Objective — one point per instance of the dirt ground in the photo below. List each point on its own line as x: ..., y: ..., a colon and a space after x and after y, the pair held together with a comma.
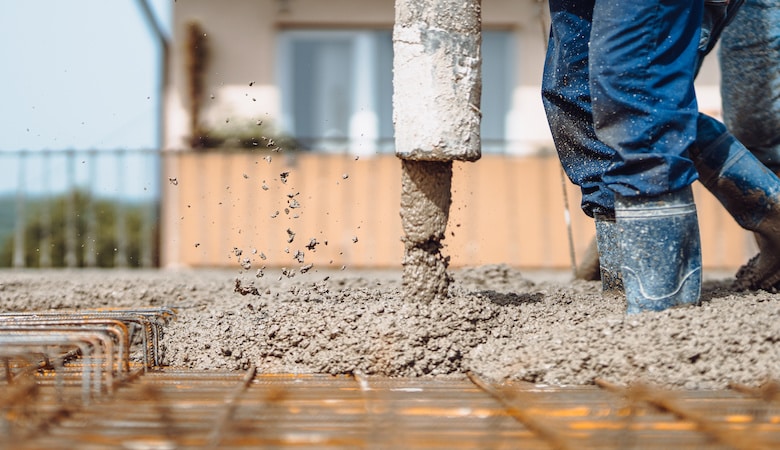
x: 496, y: 321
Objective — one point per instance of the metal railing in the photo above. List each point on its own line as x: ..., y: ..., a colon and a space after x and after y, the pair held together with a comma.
x: 79, y: 208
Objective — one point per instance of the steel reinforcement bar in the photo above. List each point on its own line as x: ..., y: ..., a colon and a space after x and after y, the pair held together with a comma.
x: 47, y: 356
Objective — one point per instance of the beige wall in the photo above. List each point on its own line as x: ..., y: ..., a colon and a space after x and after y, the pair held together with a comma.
x: 505, y: 209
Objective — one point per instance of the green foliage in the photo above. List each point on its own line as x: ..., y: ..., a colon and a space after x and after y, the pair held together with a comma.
x: 92, y: 224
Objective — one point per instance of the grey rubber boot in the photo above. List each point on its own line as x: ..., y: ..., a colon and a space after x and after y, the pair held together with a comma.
x: 660, y: 250
x: 750, y: 193
x: 609, y: 253
x: 588, y: 267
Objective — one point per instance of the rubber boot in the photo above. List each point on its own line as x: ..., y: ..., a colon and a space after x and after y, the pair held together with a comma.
x: 660, y: 250
x: 750, y: 193
x: 609, y: 253
x: 588, y: 267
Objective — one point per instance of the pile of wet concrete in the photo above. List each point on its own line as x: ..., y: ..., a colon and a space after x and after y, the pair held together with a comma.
x: 494, y: 321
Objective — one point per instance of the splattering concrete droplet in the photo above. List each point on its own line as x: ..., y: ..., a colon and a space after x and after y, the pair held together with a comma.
x: 245, y: 290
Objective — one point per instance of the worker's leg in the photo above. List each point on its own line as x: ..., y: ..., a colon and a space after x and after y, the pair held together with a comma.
x: 566, y: 96
x: 750, y: 81
x: 642, y: 64
x: 749, y: 191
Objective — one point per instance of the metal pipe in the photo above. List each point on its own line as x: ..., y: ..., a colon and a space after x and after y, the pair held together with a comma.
x: 437, y: 87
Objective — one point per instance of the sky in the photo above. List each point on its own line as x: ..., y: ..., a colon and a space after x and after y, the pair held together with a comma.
x: 81, y: 75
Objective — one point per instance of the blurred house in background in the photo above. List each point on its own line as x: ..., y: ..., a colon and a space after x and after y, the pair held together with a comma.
x: 276, y: 142
x: 312, y: 79
x: 322, y: 71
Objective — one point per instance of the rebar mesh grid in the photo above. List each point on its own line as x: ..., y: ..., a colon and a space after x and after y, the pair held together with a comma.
x: 56, y: 362
x: 134, y: 404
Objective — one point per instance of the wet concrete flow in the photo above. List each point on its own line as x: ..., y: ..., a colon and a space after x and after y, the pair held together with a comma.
x: 495, y: 321
x: 425, y: 208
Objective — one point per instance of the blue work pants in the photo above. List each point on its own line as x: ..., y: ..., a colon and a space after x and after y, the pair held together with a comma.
x: 618, y: 92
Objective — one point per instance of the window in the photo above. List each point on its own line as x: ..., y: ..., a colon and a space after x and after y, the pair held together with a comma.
x: 337, y: 89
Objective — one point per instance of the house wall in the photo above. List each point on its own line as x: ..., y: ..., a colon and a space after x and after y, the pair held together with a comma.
x: 505, y: 209
x: 242, y: 37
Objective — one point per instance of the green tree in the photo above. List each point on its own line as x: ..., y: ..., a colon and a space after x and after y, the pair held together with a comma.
x: 91, y: 226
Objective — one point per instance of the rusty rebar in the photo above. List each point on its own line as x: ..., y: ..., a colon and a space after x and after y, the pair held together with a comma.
x: 666, y: 401
x: 511, y: 400
x: 215, y: 437
x: 768, y: 391
x: 150, y: 320
x: 115, y: 328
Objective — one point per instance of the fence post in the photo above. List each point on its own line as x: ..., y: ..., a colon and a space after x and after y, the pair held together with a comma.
x: 20, y: 221
x: 70, y: 210
x: 148, y: 214
x: 120, y: 254
x: 90, y: 235
x: 46, y: 216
